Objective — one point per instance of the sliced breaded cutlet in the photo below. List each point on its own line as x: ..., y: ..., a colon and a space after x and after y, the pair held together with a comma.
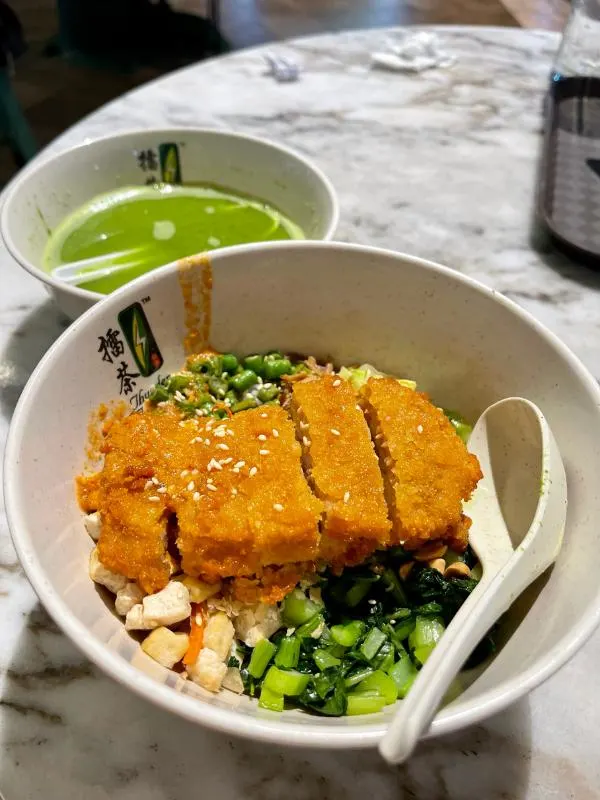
x: 342, y: 467
x: 427, y: 469
x: 261, y: 511
x: 235, y: 489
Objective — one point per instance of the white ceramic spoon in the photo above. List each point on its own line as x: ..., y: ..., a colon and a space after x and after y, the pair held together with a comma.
x: 518, y: 511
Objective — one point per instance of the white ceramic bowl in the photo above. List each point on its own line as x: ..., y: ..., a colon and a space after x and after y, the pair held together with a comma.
x: 52, y: 187
x: 465, y: 344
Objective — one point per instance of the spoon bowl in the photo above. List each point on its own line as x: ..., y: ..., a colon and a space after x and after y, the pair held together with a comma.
x: 519, y: 512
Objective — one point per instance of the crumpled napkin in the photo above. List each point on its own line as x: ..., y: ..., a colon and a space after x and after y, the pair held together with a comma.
x: 415, y: 52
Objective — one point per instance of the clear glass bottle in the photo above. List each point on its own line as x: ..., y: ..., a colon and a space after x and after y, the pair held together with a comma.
x: 569, y: 186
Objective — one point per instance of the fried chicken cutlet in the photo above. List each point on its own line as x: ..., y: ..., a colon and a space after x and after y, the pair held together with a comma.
x: 342, y: 467
x: 427, y: 469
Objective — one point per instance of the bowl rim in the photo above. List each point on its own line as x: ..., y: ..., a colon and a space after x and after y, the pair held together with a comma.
x: 311, y: 734
x: 42, y: 161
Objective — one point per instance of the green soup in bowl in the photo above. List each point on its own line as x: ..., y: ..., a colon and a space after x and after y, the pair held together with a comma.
x: 141, y: 199
x: 138, y: 228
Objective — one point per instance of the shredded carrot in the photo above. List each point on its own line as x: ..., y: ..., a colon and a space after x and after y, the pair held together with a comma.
x: 224, y: 407
x: 196, y: 634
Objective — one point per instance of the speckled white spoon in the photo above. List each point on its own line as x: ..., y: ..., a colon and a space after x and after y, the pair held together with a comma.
x: 518, y: 511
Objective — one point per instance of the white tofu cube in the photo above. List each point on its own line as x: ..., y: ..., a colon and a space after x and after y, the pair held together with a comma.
x: 105, y: 577
x: 199, y: 590
x: 165, y: 646
x: 135, y: 620
x: 93, y: 525
x: 218, y: 634
x: 208, y: 671
x: 233, y: 681
x: 170, y: 605
x: 128, y: 597
x: 258, y: 623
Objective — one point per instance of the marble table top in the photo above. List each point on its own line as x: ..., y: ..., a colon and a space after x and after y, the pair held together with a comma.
x: 440, y: 164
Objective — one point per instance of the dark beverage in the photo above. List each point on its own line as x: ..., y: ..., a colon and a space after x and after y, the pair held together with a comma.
x: 569, y: 190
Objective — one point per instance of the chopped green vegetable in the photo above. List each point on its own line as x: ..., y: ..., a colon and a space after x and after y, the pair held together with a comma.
x: 254, y: 363
x: 373, y: 641
x: 230, y: 363
x: 288, y: 652
x: 460, y: 425
x: 325, y: 660
x: 261, y: 655
x: 285, y: 682
x: 381, y: 683
x: 270, y: 700
x: 364, y: 703
x: 159, y: 394
x: 310, y: 627
x: 427, y: 633
x: 298, y: 609
x: 349, y: 634
x: 403, y: 674
x: 242, y: 381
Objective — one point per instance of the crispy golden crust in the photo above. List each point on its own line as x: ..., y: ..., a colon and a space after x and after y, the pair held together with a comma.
x: 342, y: 468
x: 427, y: 468
x: 236, y: 487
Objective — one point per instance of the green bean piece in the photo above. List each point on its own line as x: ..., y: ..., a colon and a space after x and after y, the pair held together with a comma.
x: 159, y: 394
x: 217, y: 387
x: 178, y: 382
x: 255, y: 363
x: 244, y: 405
x: 211, y: 364
x: 267, y: 394
x: 244, y: 380
x: 275, y: 368
x: 230, y: 363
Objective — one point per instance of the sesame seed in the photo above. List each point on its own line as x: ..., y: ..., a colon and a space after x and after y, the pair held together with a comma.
x: 275, y: 433
x: 162, y: 489
x: 149, y: 485
x: 184, y: 473
x: 155, y: 481
x: 358, y: 408
x: 306, y: 441
x: 335, y: 431
x: 264, y: 416
x: 236, y: 470
x: 224, y: 461
x: 227, y: 401
x: 419, y: 429
x: 277, y: 506
x: 346, y: 497
x: 191, y: 486
x: 213, y: 464
x: 336, y: 382
x: 220, y: 431
x: 196, y: 497
x: 234, y: 491
x: 199, y: 412
x: 229, y: 432
x: 182, y: 424
x: 154, y: 499
x: 207, y: 442
x: 199, y: 620
x: 262, y: 437
x: 163, y: 403
x: 239, y: 465
x: 196, y: 439
x: 222, y: 446
x: 393, y: 622
x: 264, y: 452
x: 179, y: 396
x: 253, y: 471
x: 194, y: 472
x: 372, y: 602
x: 304, y: 426
x: 267, y: 385
x: 211, y: 487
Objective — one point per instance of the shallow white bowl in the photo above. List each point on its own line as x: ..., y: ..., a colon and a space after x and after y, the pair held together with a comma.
x: 466, y: 345
x: 52, y: 187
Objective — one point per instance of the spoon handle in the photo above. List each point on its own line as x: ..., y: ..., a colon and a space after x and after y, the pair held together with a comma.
x: 486, y: 603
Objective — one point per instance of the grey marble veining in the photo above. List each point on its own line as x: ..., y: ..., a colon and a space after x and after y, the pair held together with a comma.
x: 442, y: 165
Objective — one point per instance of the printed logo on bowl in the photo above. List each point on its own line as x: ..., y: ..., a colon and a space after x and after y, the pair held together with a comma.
x: 142, y: 344
x: 164, y: 160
